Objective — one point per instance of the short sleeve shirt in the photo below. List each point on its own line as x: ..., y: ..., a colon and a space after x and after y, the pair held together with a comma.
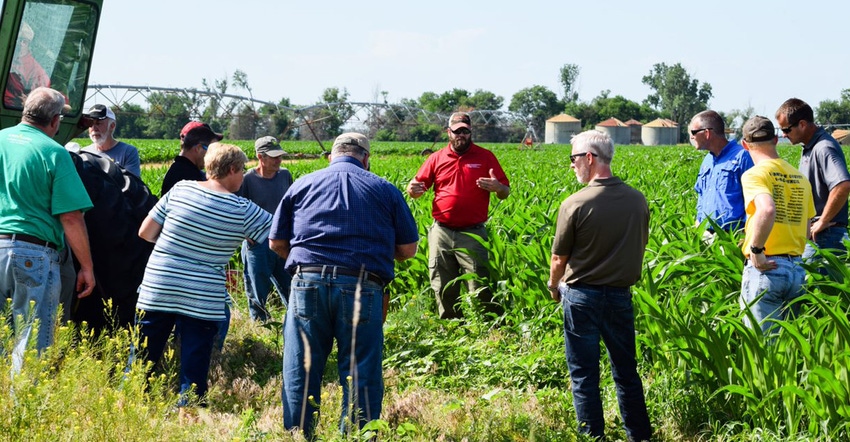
x: 458, y: 201
x: 822, y: 163
x: 40, y: 182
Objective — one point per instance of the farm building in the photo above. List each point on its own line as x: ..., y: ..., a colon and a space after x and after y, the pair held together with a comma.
x: 634, y: 129
x: 561, y: 128
x: 660, y: 132
x: 616, y: 129
x: 842, y: 136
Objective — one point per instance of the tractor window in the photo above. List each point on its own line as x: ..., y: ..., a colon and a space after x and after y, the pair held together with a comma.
x: 53, y: 48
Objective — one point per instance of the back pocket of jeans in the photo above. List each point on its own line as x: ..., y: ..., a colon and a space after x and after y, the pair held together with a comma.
x: 303, y: 301
x: 29, y: 270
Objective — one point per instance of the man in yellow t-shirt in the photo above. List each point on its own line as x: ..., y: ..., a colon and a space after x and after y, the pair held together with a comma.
x: 779, y: 205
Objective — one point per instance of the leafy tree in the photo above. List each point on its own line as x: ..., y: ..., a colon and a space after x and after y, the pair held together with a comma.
x: 603, y: 107
x: 445, y: 103
x: 132, y: 120
x: 676, y: 93
x: 835, y: 112
x: 569, y: 76
x: 276, y: 121
x: 327, y: 122
x: 244, y: 124
x: 168, y: 114
x: 484, y: 100
x: 736, y: 118
x: 537, y: 103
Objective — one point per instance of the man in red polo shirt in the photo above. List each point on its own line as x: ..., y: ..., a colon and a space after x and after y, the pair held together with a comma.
x: 463, y: 176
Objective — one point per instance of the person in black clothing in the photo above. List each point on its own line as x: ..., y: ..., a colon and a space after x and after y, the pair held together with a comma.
x: 195, y: 139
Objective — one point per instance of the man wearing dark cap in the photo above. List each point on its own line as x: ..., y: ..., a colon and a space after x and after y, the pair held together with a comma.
x: 463, y: 176
x: 265, y: 186
x: 103, y: 140
x: 822, y: 163
x: 339, y: 229
x: 779, y: 205
x: 195, y: 139
x: 42, y: 198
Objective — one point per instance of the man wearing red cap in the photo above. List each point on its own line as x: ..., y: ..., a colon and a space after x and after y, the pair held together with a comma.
x: 195, y: 139
x: 463, y: 176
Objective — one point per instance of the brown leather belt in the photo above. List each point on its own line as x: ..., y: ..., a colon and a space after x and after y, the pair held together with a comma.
x: 28, y: 238
x: 335, y: 270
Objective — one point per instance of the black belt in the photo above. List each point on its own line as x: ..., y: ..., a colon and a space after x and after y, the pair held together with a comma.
x: 334, y: 270
x: 28, y: 238
x: 459, y: 229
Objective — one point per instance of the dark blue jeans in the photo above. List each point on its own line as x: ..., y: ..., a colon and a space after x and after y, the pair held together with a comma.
x: 196, y: 342
x: 322, y: 309
x: 262, y: 269
x: 591, y: 313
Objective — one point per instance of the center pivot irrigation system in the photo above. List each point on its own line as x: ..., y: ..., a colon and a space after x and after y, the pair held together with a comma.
x: 361, y: 116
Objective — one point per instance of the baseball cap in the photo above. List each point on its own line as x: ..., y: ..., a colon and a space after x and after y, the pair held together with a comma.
x: 758, y: 129
x: 352, y: 138
x: 100, y: 112
x: 269, y: 146
x: 202, y: 128
x: 458, y: 120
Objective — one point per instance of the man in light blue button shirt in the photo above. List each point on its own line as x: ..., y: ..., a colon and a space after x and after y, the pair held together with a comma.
x: 720, y: 196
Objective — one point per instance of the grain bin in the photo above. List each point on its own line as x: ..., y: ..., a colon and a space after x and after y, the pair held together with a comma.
x: 660, y: 132
x: 616, y: 129
x: 561, y: 128
x: 842, y: 136
x: 634, y: 129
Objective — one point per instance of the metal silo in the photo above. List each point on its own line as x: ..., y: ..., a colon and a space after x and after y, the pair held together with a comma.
x: 561, y: 128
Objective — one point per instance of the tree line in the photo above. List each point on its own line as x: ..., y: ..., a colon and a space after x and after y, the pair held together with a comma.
x: 676, y: 95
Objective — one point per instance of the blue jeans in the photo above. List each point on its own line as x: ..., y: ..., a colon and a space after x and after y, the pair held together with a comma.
x: 591, y: 313
x: 196, y: 342
x: 768, y: 294
x: 30, y: 279
x: 263, y: 267
x: 321, y: 310
x: 831, y: 238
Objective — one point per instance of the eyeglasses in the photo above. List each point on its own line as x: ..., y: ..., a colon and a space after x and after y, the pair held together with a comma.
x: 696, y: 131
x: 462, y: 131
x: 574, y: 156
x: 785, y: 130
x: 204, y: 146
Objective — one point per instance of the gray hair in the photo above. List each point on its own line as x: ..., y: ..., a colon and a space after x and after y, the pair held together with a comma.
x: 597, y: 142
x: 43, y: 103
x: 350, y: 150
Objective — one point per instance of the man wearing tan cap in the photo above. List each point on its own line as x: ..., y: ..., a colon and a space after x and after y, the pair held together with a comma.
x: 463, y: 176
x: 779, y: 204
x: 265, y: 186
x: 339, y: 228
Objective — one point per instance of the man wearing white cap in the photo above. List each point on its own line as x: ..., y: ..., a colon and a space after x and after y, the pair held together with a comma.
x: 102, y: 134
x: 265, y: 186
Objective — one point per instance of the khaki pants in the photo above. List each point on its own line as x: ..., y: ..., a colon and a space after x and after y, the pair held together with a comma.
x: 452, y: 253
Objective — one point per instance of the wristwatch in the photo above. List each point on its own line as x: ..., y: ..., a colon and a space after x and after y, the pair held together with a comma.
x: 757, y: 250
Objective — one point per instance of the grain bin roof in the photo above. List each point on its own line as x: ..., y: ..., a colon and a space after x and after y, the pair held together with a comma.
x: 564, y: 118
x: 633, y: 122
x: 661, y: 122
x: 612, y: 122
x: 841, y: 135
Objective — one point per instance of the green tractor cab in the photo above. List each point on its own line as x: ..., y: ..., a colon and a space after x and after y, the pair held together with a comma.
x: 47, y: 43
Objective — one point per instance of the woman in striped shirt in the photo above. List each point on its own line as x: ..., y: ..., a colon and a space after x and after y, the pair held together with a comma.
x: 196, y: 227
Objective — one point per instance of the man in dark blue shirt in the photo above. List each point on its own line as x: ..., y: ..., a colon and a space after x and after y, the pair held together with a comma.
x: 720, y: 196
x: 339, y: 229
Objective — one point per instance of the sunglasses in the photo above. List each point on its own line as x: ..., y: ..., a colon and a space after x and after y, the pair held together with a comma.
x: 462, y: 131
x: 575, y: 156
x: 204, y: 146
x: 696, y: 131
x: 785, y: 130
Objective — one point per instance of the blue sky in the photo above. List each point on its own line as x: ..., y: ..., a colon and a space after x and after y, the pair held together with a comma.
x: 753, y: 53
